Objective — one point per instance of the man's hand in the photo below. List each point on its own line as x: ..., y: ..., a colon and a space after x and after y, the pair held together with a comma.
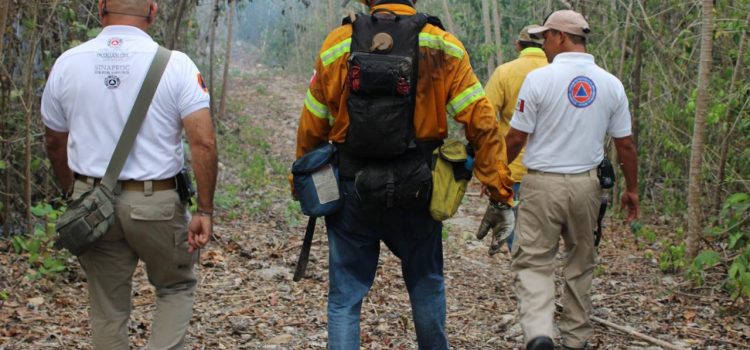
x: 632, y: 202
x: 499, y: 218
x: 199, y: 231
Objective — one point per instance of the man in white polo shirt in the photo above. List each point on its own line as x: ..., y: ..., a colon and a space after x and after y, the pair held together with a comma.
x: 86, y: 103
x: 564, y: 110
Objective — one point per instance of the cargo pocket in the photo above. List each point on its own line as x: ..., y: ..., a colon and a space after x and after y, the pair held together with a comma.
x: 161, y: 219
x: 152, y: 212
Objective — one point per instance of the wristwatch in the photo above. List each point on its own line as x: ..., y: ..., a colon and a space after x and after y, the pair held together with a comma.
x: 204, y: 213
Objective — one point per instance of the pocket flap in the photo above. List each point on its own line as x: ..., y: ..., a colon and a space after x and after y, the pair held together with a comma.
x: 152, y: 212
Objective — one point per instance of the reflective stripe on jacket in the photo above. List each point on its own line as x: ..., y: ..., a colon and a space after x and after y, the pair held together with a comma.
x: 446, y: 87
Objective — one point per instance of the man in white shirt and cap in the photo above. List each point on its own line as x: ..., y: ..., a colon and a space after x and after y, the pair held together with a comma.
x: 564, y: 110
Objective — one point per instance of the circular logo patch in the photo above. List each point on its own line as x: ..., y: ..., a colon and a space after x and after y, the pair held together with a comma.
x: 581, y: 92
x: 112, y: 82
x: 114, y: 43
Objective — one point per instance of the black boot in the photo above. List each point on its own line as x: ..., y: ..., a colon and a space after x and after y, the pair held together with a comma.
x: 541, y: 343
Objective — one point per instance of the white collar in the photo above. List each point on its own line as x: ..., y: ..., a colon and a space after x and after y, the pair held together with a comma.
x: 573, y: 57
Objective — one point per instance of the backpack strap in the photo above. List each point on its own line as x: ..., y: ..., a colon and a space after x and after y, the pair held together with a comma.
x: 351, y: 18
x: 435, y: 21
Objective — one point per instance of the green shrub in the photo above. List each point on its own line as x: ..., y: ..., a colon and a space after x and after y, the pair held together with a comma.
x: 672, y: 259
x: 43, y: 259
x: 735, y: 229
x: 706, y: 259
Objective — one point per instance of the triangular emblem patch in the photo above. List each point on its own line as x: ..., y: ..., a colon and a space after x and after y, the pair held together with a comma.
x: 581, y: 92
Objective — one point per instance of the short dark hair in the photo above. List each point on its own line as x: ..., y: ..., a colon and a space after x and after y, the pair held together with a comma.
x: 527, y: 44
x: 576, y: 39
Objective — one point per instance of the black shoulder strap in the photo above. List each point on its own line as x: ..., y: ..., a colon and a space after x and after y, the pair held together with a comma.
x: 435, y: 21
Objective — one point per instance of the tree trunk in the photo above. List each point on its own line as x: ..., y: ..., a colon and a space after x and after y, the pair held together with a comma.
x: 227, y: 60
x: 4, y: 109
x: 496, y: 27
x: 211, y: 51
x: 331, y: 15
x: 487, y: 35
x: 28, y: 115
x: 297, y: 39
x: 449, y: 19
x: 727, y: 129
x: 4, y: 9
x: 177, y: 21
x: 696, y: 151
x: 4, y: 114
x: 624, y: 47
x: 637, y: 82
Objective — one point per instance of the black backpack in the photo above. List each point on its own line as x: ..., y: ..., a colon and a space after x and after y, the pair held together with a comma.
x: 382, y: 75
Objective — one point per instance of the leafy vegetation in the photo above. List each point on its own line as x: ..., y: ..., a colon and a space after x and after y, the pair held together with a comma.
x: 37, y: 249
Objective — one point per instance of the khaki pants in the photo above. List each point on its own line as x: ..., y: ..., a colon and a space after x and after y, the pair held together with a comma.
x: 152, y: 227
x: 553, y: 206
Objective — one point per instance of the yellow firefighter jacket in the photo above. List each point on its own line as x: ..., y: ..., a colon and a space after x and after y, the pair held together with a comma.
x: 502, y: 91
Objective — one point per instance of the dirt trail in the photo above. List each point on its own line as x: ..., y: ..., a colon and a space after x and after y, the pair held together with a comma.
x: 247, y: 300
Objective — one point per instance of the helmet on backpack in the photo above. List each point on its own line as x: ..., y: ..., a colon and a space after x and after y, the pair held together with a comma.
x: 370, y: 2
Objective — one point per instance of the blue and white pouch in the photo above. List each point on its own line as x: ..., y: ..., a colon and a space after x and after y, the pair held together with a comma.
x: 316, y: 181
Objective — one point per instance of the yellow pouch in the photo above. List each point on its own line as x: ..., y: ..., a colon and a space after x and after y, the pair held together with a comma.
x: 449, y: 179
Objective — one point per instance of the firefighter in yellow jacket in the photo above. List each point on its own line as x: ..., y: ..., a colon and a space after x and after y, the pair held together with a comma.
x: 383, y: 87
x: 502, y: 91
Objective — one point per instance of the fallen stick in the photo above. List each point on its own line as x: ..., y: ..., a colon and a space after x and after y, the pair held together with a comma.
x: 632, y: 332
x: 635, y: 333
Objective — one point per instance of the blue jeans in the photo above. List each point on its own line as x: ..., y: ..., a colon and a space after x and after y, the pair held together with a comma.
x: 354, y: 241
x: 516, y: 190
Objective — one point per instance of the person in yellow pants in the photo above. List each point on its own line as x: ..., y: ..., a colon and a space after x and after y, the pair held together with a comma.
x: 502, y: 91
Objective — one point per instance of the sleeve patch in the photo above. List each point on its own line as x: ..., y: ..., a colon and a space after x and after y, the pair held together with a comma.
x: 202, y: 83
x: 521, y: 105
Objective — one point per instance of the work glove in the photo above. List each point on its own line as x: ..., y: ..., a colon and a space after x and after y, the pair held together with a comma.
x: 498, y: 217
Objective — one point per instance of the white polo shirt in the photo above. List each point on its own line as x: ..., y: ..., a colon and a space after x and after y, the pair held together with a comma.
x: 567, y: 108
x: 90, y: 93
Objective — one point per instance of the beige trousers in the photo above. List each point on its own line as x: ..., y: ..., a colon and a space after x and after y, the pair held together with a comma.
x: 152, y: 227
x: 553, y: 206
